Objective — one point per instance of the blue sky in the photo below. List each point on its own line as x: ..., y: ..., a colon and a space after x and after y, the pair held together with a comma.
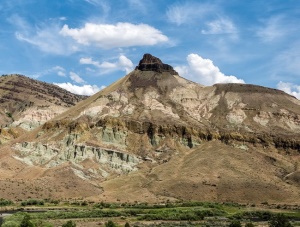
x: 84, y: 45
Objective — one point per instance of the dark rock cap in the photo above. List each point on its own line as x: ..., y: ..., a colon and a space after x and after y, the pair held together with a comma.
x: 151, y: 63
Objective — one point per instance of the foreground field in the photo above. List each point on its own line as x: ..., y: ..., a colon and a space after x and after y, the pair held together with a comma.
x: 82, y: 213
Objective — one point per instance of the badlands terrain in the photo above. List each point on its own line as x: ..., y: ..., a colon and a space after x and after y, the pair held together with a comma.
x: 151, y: 136
x: 26, y: 104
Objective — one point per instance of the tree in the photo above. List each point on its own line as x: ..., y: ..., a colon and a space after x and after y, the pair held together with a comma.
x: 26, y: 221
x: 69, y: 224
x: 110, y: 224
x: 279, y: 220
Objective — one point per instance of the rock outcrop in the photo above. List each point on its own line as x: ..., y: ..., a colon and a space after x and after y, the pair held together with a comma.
x: 151, y: 63
x: 52, y: 155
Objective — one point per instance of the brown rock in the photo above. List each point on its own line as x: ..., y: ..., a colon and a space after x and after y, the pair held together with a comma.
x: 151, y: 63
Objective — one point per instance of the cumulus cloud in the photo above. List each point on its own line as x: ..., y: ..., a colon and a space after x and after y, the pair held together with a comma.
x: 187, y: 12
x: 80, y: 90
x: 289, y: 88
x: 123, y: 63
x: 204, y: 71
x: 119, y: 35
x: 75, y: 77
x: 220, y: 26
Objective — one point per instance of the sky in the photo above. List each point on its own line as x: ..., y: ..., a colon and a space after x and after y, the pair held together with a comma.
x: 85, y: 45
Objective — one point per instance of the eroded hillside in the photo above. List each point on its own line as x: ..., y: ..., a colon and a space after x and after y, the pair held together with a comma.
x: 26, y: 104
x: 154, y: 135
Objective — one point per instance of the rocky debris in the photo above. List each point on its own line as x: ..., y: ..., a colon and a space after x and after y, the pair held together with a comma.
x: 151, y: 63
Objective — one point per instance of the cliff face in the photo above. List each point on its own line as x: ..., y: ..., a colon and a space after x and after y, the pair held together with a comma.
x: 154, y: 64
x: 174, y: 136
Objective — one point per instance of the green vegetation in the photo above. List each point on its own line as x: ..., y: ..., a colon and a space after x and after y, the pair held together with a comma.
x: 170, y: 214
x: 9, y: 114
x: 10, y: 224
x: 69, y: 224
x: 110, y: 224
x: 261, y: 215
x: 32, y: 202
x: 180, y: 214
x: 26, y: 221
x: 279, y: 220
x: 5, y: 202
x: 235, y: 223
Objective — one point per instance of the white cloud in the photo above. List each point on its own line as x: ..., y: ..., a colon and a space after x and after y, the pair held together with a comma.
x: 289, y: 88
x: 204, y: 71
x: 62, y: 18
x: 56, y: 69
x: 89, y: 61
x: 76, y: 78
x: 123, y: 63
x: 19, y: 22
x: 220, y: 26
x: 80, y: 90
x: 59, y: 70
x: 60, y: 73
x: 47, y: 39
x: 185, y: 13
x: 111, y: 36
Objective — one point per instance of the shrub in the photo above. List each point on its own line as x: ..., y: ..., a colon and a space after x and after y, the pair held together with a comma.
x: 235, y: 223
x: 9, y: 114
x: 4, y: 202
x: 26, y: 221
x: 110, y: 224
x: 279, y: 220
x: 69, y: 224
x: 31, y: 202
x: 249, y: 224
x: 127, y: 224
x: 10, y: 224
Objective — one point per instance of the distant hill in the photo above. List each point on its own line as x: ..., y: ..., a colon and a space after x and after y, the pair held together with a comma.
x: 26, y: 103
x: 155, y: 136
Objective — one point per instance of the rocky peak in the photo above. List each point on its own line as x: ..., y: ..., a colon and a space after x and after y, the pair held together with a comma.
x: 151, y: 63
